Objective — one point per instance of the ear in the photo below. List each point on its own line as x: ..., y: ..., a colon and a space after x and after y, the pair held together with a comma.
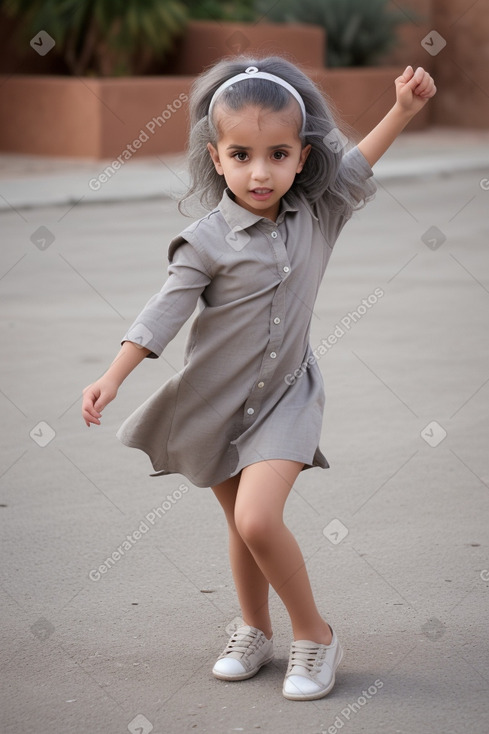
x: 304, y: 154
x: 215, y: 158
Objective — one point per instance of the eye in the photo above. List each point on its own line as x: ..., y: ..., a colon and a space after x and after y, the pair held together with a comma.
x: 240, y: 155
x: 279, y: 155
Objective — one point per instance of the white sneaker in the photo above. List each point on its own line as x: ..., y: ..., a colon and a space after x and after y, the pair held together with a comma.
x: 311, y: 671
x: 247, y: 650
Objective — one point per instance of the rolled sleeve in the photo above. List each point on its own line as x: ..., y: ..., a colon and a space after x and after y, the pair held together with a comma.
x: 355, y: 160
x: 355, y: 180
x: 166, y: 312
x: 356, y: 175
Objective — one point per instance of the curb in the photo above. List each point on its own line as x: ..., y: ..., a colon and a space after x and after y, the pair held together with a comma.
x: 139, y: 182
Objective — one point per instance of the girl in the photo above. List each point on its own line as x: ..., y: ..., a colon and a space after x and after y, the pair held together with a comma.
x: 267, y: 159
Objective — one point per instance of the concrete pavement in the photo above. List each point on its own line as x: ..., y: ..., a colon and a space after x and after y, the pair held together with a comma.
x: 117, y: 595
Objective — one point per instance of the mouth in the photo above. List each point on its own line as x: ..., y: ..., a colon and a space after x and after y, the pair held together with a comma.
x: 261, y: 194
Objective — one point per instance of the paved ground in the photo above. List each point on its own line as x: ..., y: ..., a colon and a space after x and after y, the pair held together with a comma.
x: 395, y: 533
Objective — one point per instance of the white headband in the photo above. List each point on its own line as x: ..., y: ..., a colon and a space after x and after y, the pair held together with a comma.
x: 252, y: 73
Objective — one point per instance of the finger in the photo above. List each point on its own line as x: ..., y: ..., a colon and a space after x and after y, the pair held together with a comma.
x: 417, y: 77
x: 99, y: 404
x: 424, y: 81
x: 91, y: 416
x: 420, y: 73
x: 102, y: 401
x: 405, y: 76
x: 426, y: 89
x: 91, y: 398
x: 89, y: 408
x: 414, y: 82
x: 430, y: 86
x: 429, y: 94
x: 88, y: 418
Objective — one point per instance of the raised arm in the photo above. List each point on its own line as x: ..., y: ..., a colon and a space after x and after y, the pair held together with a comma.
x: 413, y: 90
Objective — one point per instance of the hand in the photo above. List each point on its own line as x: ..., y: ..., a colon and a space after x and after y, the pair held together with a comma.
x: 414, y: 89
x: 95, y: 397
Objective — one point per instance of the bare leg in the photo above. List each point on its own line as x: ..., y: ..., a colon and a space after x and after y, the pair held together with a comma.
x: 251, y: 585
x: 258, y: 515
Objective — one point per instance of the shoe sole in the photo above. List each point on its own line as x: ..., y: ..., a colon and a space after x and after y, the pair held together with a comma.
x: 318, y: 694
x: 244, y: 676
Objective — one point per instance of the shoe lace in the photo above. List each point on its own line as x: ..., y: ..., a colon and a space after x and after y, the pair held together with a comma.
x: 241, y: 642
x: 305, y: 657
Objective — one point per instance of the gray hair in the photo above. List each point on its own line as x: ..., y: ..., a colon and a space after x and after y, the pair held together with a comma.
x: 321, y: 177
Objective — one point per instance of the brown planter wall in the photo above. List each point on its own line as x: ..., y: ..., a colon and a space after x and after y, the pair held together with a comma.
x: 206, y: 42
x: 461, y: 68
x: 362, y: 97
x: 99, y: 118
x: 96, y: 118
x: 61, y: 115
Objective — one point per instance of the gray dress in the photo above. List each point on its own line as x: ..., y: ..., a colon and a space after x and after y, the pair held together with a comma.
x: 256, y: 281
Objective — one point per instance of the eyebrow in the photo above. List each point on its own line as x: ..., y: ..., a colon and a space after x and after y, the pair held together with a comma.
x: 270, y: 147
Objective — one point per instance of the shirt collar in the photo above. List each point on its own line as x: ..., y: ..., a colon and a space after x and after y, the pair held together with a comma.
x: 238, y: 218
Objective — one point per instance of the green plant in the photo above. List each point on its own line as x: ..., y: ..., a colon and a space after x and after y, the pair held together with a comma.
x: 358, y: 32
x: 103, y: 37
x: 230, y: 10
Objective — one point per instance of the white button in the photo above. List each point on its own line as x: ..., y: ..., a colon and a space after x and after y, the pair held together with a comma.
x: 286, y: 269
x: 274, y: 234
x: 250, y: 411
x: 276, y: 320
x: 273, y: 355
x: 261, y: 384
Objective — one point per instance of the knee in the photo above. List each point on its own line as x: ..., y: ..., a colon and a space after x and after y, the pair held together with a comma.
x: 255, y: 528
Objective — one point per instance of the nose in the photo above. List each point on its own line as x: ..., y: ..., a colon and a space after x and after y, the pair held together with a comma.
x: 260, y: 170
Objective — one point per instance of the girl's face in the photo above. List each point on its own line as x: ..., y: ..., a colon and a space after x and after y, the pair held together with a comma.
x: 259, y: 153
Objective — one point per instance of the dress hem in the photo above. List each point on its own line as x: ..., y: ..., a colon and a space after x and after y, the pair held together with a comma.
x: 165, y: 472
